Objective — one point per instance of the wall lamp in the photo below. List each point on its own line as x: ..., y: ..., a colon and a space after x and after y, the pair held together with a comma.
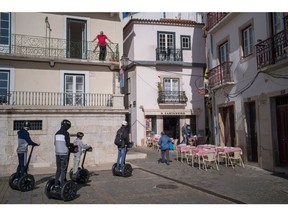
x: 124, y: 61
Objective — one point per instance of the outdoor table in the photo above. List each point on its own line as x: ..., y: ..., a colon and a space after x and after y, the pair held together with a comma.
x: 200, y: 152
x: 183, y: 149
x: 226, y: 150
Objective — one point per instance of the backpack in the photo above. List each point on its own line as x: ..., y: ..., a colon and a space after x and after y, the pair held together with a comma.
x: 118, y: 139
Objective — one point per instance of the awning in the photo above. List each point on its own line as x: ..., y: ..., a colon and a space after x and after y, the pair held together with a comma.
x: 172, y: 112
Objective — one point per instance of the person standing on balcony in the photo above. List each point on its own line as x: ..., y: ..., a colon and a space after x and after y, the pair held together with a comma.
x: 102, y: 44
x: 62, y: 146
x: 23, y: 141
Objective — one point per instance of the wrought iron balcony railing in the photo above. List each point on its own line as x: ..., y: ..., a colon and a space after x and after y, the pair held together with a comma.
x: 172, y: 97
x: 169, y: 55
x: 272, y: 50
x: 213, y: 18
x: 220, y: 75
x: 22, y: 98
x: 54, y: 48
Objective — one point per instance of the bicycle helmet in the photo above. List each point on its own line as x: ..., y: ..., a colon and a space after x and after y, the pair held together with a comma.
x: 80, y: 134
x: 124, y: 123
x: 26, y: 124
x: 66, y: 123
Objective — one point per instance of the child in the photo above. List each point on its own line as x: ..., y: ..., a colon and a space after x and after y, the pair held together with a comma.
x: 78, y: 142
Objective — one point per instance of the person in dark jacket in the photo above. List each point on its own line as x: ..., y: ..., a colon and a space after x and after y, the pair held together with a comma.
x: 62, y: 145
x: 122, y: 149
x: 164, y: 146
x: 23, y: 141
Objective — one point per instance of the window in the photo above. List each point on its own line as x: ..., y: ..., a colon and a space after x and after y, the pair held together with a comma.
x: 223, y: 53
x: 278, y: 22
x: 4, y: 86
x: 185, y: 42
x: 247, y: 41
x: 166, y: 46
x: 34, y: 125
x: 5, y: 28
x: 171, y: 89
x: 74, y: 89
x: 165, y: 40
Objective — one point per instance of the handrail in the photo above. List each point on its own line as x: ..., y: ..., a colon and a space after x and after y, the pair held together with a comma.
x: 55, y: 48
x: 27, y: 98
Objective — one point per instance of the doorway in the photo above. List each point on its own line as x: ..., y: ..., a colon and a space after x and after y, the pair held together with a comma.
x: 227, y: 126
x: 76, y: 39
x: 252, y: 142
x: 282, y: 128
x: 171, y: 126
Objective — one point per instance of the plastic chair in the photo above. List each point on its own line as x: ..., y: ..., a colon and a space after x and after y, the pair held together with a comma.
x: 210, y: 157
x: 235, y: 158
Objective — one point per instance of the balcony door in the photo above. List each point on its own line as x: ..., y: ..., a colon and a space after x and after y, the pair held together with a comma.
x: 76, y: 38
x: 5, y: 32
x: 223, y: 53
x: 171, y: 89
x: 4, y: 86
x: 166, y: 45
x: 74, y: 89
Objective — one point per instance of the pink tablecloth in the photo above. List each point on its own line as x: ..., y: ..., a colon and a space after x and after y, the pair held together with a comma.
x: 226, y: 149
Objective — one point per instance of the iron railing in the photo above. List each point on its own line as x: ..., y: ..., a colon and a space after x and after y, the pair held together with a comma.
x: 220, y: 75
x: 25, y: 98
x: 169, y: 55
x: 55, y: 48
x: 213, y: 18
x: 172, y: 97
x: 272, y: 50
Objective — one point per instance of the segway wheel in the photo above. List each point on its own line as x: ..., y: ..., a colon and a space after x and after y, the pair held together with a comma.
x: 11, y: 179
x: 48, y: 188
x: 127, y: 171
x: 82, y: 176
x: 26, y: 183
x: 113, y: 169
x: 69, y: 191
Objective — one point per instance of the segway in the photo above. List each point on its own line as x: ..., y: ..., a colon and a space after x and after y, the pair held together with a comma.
x: 26, y: 182
x: 127, y: 169
x: 82, y: 175
x: 68, y: 191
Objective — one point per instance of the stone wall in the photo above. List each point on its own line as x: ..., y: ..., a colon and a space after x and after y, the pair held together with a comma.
x: 99, y: 127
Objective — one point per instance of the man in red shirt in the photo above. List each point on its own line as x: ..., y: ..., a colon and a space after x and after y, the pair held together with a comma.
x: 102, y: 44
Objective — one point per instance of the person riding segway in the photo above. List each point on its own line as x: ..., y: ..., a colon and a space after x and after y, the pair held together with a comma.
x: 60, y: 188
x: 80, y: 174
x: 21, y: 180
x: 120, y: 168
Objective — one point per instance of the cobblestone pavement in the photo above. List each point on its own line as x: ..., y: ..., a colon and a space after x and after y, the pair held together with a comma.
x: 153, y: 183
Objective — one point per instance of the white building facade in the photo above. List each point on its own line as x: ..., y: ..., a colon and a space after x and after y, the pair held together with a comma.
x: 248, y: 86
x: 166, y: 65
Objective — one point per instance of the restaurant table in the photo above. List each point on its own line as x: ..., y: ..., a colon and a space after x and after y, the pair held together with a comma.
x: 200, y: 153
x: 227, y: 151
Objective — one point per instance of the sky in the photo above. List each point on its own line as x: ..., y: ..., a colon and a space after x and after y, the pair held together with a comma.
x: 143, y: 6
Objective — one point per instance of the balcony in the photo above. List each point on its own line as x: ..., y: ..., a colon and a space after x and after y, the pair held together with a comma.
x: 172, y: 97
x: 272, y: 50
x: 220, y: 75
x: 56, y: 99
x: 169, y: 55
x: 54, y: 48
x: 213, y: 18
